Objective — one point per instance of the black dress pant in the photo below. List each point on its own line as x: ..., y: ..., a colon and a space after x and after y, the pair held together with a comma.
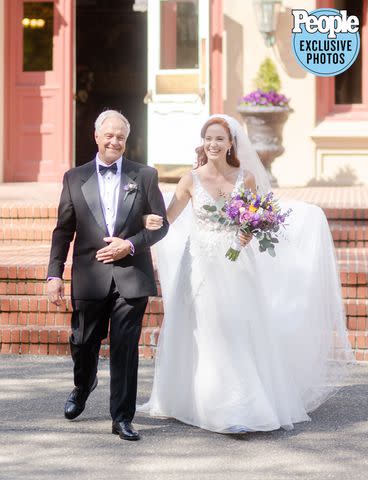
x: 90, y: 322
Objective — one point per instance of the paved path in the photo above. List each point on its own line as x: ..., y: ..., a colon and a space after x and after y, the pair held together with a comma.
x: 37, y: 443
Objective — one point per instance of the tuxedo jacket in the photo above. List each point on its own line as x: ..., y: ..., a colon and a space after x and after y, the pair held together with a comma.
x: 80, y: 217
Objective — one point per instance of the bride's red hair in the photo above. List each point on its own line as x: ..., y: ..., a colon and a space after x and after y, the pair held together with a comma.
x: 231, y: 159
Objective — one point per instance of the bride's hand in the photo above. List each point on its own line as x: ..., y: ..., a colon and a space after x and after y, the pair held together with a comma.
x: 152, y: 221
x: 244, y: 238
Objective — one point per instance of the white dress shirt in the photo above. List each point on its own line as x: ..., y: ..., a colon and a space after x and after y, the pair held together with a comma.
x: 109, y: 186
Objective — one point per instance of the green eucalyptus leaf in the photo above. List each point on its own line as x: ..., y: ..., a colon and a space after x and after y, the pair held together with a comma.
x: 210, y: 208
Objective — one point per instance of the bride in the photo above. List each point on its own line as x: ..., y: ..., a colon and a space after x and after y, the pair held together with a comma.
x: 250, y: 345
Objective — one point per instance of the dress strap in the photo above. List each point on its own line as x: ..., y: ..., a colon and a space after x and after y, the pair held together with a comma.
x: 195, y: 178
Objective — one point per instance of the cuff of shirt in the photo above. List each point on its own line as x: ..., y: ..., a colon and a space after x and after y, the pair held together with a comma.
x: 132, y: 249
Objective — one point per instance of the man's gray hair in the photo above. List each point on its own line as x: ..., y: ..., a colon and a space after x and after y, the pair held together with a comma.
x: 108, y: 114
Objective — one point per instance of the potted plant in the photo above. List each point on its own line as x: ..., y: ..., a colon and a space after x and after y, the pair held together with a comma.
x: 265, y: 111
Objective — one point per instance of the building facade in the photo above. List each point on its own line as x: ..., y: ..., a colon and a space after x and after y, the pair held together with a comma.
x: 167, y: 64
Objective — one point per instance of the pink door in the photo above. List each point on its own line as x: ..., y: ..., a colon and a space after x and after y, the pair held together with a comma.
x: 38, y: 108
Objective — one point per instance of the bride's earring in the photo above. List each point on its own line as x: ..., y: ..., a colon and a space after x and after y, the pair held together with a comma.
x: 229, y: 152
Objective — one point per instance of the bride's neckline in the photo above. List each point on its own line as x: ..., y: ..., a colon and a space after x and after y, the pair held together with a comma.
x: 225, y: 193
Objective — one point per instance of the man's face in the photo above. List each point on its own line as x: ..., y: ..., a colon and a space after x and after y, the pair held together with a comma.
x: 111, y: 139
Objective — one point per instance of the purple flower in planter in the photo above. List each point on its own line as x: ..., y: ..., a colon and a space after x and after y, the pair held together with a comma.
x: 262, y: 98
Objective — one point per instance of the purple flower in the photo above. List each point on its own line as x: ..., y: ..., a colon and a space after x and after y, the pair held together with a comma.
x: 238, y: 203
x: 232, y: 208
x: 260, y: 97
x: 257, y: 202
x: 232, y: 212
x: 245, y: 216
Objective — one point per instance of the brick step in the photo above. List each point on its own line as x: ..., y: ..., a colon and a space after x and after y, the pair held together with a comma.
x: 38, y: 311
x: 353, y: 266
x: 349, y: 233
x: 41, y: 210
x: 23, y: 270
x: 359, y: 340
x: 34, y: 303
x: 27, y: 287
x: 356, y: 314
x: 27, y: 221
x: 27, y: 256
x: 32, y: 231
x: 18, y: 230
x: 346, y: 233
x: 361, y: 354
x: 16, y: 243
x: 33, y: 272
x: 28, y: 229
x: 60, y: 319
x: 40, y: 303
x: 340, y: 213
x: 354, y: 285
x: 28, y: 210
x: 55, y: 341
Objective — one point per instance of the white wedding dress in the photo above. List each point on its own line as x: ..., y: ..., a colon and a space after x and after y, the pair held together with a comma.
x: 249, y: 345
x: 254, y: 344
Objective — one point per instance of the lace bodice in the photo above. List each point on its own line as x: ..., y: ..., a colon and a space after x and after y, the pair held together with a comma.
x: 208, y: 237
x: 202, y: 197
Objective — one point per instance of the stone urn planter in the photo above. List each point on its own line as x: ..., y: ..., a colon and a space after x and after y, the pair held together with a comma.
x: 265, y: 125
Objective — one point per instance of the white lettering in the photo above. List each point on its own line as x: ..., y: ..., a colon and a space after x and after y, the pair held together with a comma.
x: 325, y: 23
x: 300, y: 17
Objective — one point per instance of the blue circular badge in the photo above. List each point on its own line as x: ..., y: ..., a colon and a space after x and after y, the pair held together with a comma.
x: 326, y: 49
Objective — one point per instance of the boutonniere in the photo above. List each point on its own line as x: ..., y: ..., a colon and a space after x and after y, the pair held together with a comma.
x: 128, y: 188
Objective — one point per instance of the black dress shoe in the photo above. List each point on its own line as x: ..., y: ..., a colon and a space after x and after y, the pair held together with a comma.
x: 125, y: 430
x: 76, y: 401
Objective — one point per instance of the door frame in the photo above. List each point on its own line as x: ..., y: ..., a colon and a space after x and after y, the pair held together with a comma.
x: 60, y: 79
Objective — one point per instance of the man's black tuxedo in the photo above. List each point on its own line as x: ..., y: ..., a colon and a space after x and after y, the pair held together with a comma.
x: 80, y: 213
x: 115, y: 291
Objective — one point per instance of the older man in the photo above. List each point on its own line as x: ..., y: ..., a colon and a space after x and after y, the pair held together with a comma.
x: 102, y: 204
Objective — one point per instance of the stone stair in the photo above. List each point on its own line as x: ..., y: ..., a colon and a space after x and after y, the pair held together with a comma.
x: 29, y: 323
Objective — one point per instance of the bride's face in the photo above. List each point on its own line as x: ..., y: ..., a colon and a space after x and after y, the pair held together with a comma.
x: 216, y: 143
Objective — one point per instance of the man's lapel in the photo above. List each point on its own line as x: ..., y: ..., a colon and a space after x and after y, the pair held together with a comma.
x: 126, y: 195
x: 91, y: 193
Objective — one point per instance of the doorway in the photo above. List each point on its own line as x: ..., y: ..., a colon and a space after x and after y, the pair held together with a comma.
x: 111, y: 73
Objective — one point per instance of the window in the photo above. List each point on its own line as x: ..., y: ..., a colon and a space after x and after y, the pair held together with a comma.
x: 38, y: 32
x: 179, y: 34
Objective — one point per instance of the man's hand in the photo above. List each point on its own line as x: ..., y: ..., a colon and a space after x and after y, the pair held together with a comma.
x: 55, y: 291
x: 116, y: 250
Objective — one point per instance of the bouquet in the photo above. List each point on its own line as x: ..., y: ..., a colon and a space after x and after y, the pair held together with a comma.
x: 259, y: 215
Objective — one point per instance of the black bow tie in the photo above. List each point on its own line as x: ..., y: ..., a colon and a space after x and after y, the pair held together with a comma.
x: 113, y: 168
